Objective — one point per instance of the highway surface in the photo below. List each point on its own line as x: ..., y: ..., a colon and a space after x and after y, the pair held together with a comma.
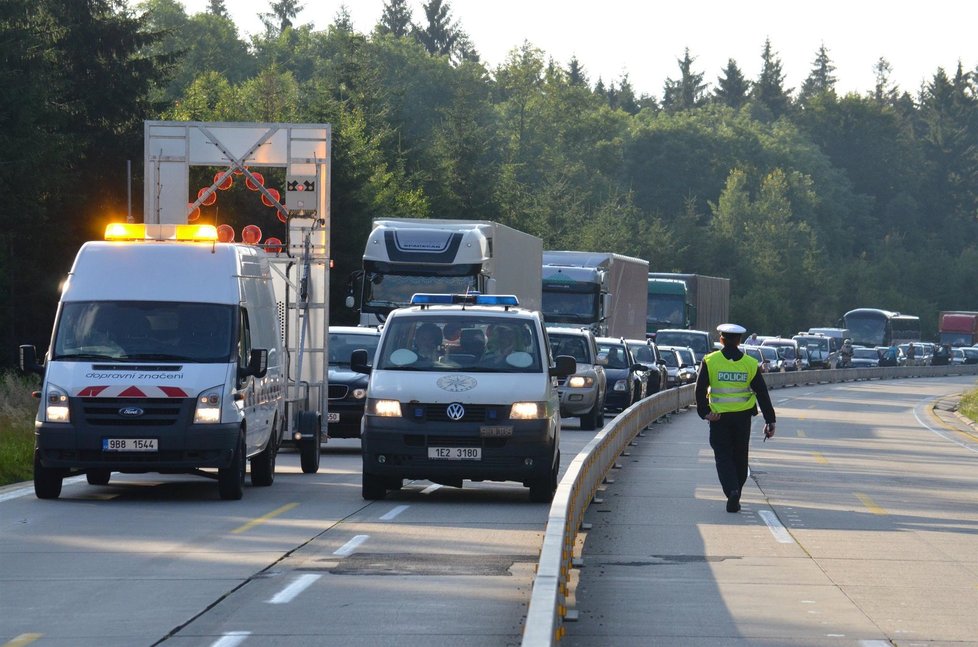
x: 858, y: 475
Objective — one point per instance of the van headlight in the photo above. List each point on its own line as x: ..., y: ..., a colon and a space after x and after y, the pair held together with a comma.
x: 208, y: 410
x: 384, y: 408
x: 580, y: 381
x: 528, y: 411
x: 56, y: 404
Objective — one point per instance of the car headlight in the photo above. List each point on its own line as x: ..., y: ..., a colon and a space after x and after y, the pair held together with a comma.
x: 620, y: 385
x: 384, y: 408
x: 358, y: 394
x: 580, y: 381
x: 56, y: 405
x: 208, y: 410
x: 528, y: 411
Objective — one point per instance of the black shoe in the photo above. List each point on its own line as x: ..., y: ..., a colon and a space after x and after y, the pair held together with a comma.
x: 733, y: 501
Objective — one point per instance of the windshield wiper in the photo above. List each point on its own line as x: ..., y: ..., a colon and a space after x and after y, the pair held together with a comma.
x: 84, y: 356
x: 161, y: 356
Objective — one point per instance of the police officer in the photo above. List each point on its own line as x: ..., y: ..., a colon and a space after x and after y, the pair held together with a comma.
x: 729, y: 389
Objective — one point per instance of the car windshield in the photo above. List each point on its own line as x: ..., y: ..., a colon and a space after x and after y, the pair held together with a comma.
x: 342, y: 344
x: 865, y: 353
x: 615, y: 354
x: 573, y: 345
x: 785, y: 350
x: 461, y: 341
x: 670, y: 358
x: 699, y: 342
x: 769, y: 353
x: 642, y: 353
x: 755, y: 353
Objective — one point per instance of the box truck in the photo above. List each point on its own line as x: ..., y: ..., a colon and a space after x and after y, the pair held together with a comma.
x: 958, y: 328
x: 690, y: 301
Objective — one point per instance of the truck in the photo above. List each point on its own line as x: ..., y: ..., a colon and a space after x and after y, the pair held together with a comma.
x: 601, y: 290
x: 406, y: 256
x: 958, y: 328
x: 691, y: 301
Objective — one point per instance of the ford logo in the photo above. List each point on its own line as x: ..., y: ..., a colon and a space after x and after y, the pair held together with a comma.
x: 131, y: 412
x: 455, y: 411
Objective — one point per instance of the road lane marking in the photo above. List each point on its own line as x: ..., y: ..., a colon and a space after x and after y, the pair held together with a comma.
x: 801, y: 433
x: 870, y: 504
x: 916, y: 414
x: 289, y: 593
x: 875, y: 643
x: 23, y: 639
x: 780, y: 532
x: 265, y: 517
x: 430, y: 489
x: 232, y: 639
x: 16, y: 493
x: 351, y: 545
x: 820, y: 459
x: 393, y: 513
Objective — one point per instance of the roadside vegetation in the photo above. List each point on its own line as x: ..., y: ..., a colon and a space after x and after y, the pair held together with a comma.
x: 968, y: 407
x: 17, y: 410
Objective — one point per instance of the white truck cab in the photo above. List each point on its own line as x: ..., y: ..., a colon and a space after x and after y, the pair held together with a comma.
x: 462, y: 388
x: 165, y: 357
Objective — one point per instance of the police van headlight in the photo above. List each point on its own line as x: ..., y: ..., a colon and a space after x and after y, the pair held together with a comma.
x: 620, y: 385
x: 580, y: 381
x: 208, y: 411
x: 528, y: 411
x: 56, y: 404
x: 384, y: 408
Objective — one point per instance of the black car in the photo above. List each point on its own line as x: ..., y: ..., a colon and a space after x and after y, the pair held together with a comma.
x: 645, y: 351
x: 627, y: 378
x: 347, y: 388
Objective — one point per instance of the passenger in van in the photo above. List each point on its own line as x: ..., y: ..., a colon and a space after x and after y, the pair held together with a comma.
x: 502, y: 344
x: 426, y: 341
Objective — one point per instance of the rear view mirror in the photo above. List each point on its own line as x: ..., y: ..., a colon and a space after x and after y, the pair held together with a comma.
x: 564, y: 365
x: 359, y: 361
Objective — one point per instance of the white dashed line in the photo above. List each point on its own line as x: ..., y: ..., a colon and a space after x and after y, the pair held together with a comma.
x: 300, y: 584
x: 393, y: 513
x: 232, y: 639
x: 779, y: 531
x: 351, y: 545
x: 430, y: 489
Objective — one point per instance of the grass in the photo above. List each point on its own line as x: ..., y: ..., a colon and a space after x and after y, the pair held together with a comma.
x: 968, y: 407
x: 17, y: 411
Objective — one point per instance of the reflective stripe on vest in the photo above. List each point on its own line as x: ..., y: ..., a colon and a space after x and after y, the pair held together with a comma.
x: 730, y: 382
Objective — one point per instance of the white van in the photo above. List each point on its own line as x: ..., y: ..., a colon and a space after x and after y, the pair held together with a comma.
x: 462, y: 388
x: 165, y: 357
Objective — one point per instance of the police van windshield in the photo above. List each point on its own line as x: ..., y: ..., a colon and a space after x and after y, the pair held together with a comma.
x: 144, y: 330
x: 461, y: 342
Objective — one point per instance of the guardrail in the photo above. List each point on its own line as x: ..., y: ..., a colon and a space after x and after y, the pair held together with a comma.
x: 548, y: 601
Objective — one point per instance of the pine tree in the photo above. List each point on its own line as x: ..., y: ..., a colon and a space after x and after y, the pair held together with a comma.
x: 575, y: 72
x: 884, y: 92
x: 626, y: 97
x: 686, y: 93
x: 217, y: 8
x: 733, y: 88
x: 439, y: 34
x: 820, y: 80
x: 395, y: 19
x: 769, y: 88
x: 280, y: 18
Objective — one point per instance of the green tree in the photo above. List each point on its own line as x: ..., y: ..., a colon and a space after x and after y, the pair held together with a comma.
x: 687, y: 92
x: 439, y: 33
x: 280, y: 15
x: 575, y: 72
x: 820, y: 80
x: 733, y: 89
x: 395, y: 19
x: 769, y: 90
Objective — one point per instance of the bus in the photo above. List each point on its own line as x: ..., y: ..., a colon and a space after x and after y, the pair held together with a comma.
x: 874, y: 327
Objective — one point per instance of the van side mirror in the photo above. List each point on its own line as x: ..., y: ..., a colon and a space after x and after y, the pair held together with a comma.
x: 564, y: 365
x: 257, y: 364
x: 28, y: 360
x: 359, y: 361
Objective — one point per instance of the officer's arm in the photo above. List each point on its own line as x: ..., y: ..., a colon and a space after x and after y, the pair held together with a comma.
x: 763, y: 397
x: 702, y: 385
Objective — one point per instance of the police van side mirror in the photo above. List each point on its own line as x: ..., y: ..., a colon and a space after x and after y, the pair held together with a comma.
x: 564, y: 365
x: 28, y: 360
x: 257, y: 364
x: 359, y: 361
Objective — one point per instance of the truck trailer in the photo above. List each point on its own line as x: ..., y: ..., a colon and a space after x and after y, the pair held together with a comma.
x: 958, y: 328
x: 601, y: 290
x: 406, y: 256
x: 690, y: 301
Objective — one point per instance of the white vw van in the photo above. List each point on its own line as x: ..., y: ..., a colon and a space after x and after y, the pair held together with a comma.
x: 462, y: 388
x: 165, y: 357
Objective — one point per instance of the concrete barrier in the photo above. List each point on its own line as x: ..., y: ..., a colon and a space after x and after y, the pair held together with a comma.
x: 548, y: 601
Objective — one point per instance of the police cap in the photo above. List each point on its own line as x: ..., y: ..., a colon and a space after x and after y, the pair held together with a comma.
x: 732, y: 329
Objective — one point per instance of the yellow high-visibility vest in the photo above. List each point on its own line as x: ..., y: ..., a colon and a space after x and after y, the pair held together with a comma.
x: 730, y: 382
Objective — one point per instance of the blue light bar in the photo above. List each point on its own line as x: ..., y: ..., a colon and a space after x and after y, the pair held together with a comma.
x: 472, y: 298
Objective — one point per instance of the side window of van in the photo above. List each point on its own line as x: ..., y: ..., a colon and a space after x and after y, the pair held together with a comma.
x: 244, y: 339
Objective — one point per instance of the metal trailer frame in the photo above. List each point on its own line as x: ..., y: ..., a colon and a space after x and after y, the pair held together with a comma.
x: 301, y: 268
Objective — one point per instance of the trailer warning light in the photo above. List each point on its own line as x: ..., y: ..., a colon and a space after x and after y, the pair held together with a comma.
x: 142, y: 231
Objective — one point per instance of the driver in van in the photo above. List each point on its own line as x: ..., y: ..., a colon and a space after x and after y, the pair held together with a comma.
x: 426, y: 341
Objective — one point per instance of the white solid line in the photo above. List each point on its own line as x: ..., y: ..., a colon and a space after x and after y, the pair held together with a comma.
x: 351, y: 545
x: 232, y: 639
x: 393, y: 513
x: 875, y: 643
x: 16, y: 493
x: 940, y: 433
x: 300, y: 584
x: 430, y: 489
x: 779, y: 531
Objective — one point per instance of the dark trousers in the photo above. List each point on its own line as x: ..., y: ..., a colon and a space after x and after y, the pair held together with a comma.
x: 730, y: 440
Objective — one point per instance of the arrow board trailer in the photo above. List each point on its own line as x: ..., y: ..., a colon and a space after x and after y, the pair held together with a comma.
x: 300, y: 270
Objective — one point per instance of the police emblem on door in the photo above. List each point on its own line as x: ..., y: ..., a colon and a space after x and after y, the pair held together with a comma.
x: 455, y: 411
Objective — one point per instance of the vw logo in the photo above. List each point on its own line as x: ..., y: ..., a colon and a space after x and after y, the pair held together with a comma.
x: 131, y: 412
x: 455, y: 411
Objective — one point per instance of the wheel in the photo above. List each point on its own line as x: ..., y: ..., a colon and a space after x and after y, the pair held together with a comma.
x: 230, y: 479
x: 542, y: 491
x: 263, y: 464
x: 47, y: 480
x: 98, y: 476
x: 373, y: 487
x: 309, y: 450
x: 589, y: 421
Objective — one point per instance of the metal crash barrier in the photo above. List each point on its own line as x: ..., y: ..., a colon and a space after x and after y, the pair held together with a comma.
x: 551, y: 585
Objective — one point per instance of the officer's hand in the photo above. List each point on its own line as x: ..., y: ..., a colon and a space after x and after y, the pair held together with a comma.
x: 712, y: 416
x: 768, y: 430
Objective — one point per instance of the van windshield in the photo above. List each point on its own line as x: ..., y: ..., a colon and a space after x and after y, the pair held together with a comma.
x: 144, y: 330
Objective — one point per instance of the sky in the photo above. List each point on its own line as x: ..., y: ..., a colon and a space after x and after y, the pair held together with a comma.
x: 646, y: 39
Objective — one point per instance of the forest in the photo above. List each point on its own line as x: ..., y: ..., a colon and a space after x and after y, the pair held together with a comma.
x: 811, y: 202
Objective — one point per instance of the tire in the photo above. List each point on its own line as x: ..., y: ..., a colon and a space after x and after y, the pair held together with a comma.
x: 543, y: 491
x: 309, y: 450
x: 47, y: 480
x: 263, y: 463
x: 230, y: 479
x: 373, y: 487
x: 589, y: 421
x: 98, y: 476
